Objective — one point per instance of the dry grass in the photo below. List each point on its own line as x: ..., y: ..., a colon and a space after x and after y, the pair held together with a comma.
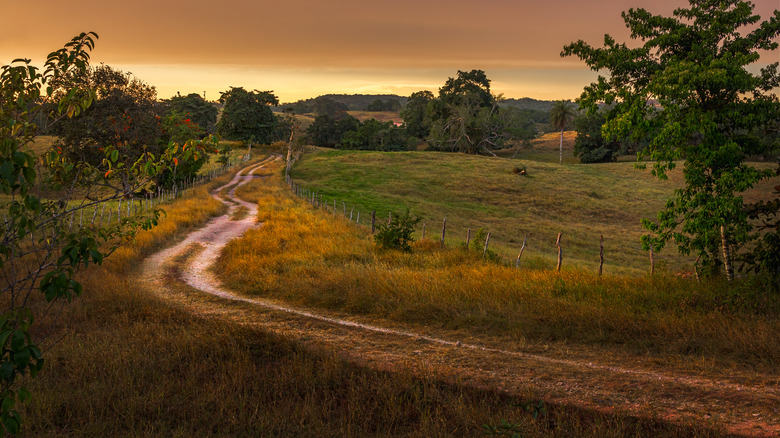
x: 308, y: 257
x: 382, y: 116
x: 131, y: 365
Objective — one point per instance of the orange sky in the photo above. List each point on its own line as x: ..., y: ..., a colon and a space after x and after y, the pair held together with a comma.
x: 305, y: 48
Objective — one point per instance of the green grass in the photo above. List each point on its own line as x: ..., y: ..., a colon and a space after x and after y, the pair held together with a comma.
x: 582, y: 201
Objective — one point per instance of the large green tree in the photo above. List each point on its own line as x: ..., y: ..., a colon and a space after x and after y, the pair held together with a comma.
x: 562, y: 114
x: 465, y: 117
x: 689, y: 88
x: 416, y: 116
x: 247, y: 115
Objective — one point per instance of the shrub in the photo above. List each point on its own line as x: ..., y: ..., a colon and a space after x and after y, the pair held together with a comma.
x: 398, y: 233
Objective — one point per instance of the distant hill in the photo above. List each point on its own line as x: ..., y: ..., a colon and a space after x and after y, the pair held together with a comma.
x: 354, y: 102
x: 528, y: 103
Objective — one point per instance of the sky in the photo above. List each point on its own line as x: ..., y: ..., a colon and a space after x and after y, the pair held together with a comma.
x: 305, y: 48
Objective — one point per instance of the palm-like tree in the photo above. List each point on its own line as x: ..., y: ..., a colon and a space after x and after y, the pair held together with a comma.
x: 561, y: 114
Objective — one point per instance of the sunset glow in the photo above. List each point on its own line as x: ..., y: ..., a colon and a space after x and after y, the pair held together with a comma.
x: 303, y: 49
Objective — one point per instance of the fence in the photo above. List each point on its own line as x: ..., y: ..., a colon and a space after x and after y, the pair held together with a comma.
x: 105, y: 212
x: 370, y: 218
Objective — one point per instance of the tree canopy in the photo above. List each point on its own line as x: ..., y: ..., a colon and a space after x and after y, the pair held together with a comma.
x: 247, y: 115
x: 196, y: 109
x: 688, y: 89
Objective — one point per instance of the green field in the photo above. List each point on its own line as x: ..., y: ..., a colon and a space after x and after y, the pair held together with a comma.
x: 582, y: 201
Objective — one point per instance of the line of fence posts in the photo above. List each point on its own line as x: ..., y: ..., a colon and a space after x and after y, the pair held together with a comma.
x: 146, y: 201
x: 317, y: 200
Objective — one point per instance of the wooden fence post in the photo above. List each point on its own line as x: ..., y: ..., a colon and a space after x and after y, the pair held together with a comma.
x: 522, y: 248
x: 423, y: 236
x: 468, y: 237
x: 443, y: 231
x: 358, y: 218
x: 389, y: 218
x: 373, y: 221
x: 560, y: 252
x: 601, y: 254
x: 350, y: 213
x: 487, y: 240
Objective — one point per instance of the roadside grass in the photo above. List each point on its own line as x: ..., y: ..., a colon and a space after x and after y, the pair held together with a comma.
x: 128, y: 363
x: 309, y: 257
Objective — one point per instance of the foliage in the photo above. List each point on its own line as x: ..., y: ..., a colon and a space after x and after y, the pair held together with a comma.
x: 415, y: 114
x: 384, y: 105
x: 398, y: 233
x: 688, y: 90
x: 519, y: 124
x: 327, y: 131
x: 125, y: 114
x: 590, y: 145
x: 375, y: 135
x: 196, y: 109
x: 247, y: 115
x: 39, y: 251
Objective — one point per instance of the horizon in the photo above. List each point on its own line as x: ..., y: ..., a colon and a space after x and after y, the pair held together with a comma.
x: 338, y: 47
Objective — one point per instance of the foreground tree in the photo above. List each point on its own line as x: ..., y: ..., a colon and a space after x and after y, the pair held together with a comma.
x: 687, y: 89
x: 39, y: 251
x: 562, y: 114
x: 247, y: 115
x: 125, y: 114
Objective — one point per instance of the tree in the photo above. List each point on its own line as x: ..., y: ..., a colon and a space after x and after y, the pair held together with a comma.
x: 374, y: 135
x: 465, y: 117
x: 326, y: 131
x: 561, y: 115
x: 416, y: 116
x: 38, y: 251
x: 125, y: 114
x: 589, y: 145
x: 688, y: 90
x: 247, y: 115
x: 195, y: 108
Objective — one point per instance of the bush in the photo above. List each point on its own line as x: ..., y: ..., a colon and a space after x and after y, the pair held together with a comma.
x: 398, y: 233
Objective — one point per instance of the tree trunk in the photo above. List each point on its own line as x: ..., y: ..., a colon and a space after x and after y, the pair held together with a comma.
x: 560, y: 160
x: 724, y: 240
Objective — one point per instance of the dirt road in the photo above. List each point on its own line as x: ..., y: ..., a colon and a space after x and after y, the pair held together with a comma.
x: 603, y: 380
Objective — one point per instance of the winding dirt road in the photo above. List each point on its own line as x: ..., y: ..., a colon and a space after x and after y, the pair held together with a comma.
x: 605, y: 381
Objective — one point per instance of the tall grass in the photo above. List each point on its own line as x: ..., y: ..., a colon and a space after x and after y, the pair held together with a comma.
x: 312, y: 258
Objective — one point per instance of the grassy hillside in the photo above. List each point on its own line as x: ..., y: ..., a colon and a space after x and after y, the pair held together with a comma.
x: 582, y: 201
